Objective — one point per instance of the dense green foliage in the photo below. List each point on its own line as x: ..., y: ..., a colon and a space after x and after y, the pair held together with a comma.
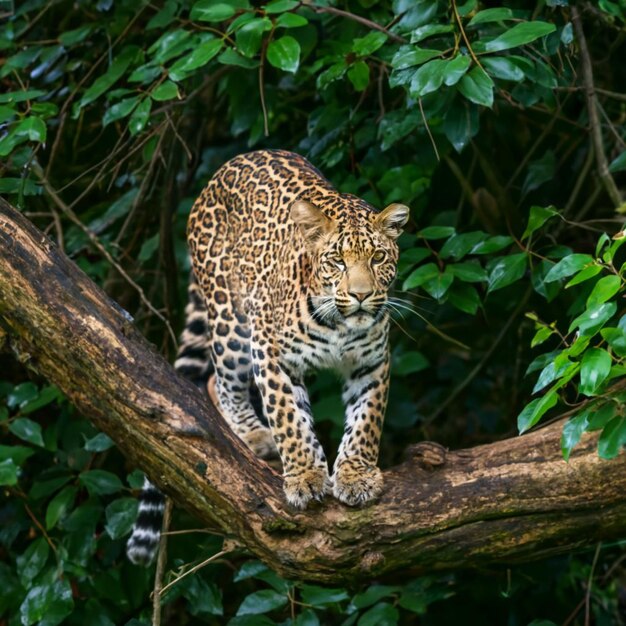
x: 114, y: 113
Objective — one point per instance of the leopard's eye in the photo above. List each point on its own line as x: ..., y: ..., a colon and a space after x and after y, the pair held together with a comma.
x: 339, y: 264
x: 378, y: 257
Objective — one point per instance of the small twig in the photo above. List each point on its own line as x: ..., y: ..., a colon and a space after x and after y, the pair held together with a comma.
x: 357, y: 18
x: 96, y: 242
x: 160, y: 565
x: 41, y: 529
x: 262, y: 84
x: 430, y: 135
x: 464, y: 35
x: 590, y: 584
x: 592, y: 110
x: 195, y: 568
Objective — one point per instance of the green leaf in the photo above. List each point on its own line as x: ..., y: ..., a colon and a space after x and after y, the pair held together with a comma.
x: 428, y: 78
x: 99, y: 443
x: 27, y: 430
x: 120, y: 515
x: 284, y: 53
x: 519, y: 35
x: 198, y: 57
x: 409, y: 56
x: 250, y: 35
x: 165, y: 91
x: 499, y: 14
x: 438, y: 286
x: 203, y: 598
x: 32, y: 127
x: 461, y: 123
x: 595, y: 367
x: 506, y: 271
x: 46, y: 396
x: 32, y: 561
x: 590, y: 321
x: 250, y: 569
x: 322, y: 596
x: 291, y: 20
x: 278, y: 6
x: 436, y: 232
x: 262, y: 602
x: 111, y: 76
x: 477, y: 87
x: 12, y: 97
x: 493, y: 244
x: 468, y: 272
x: 8, y: 472
x: 383, y: 614
x: 535, y: 410
x: 100, y: 482
x: 429, y: 30
x: 584, y: 274
x: 459, y: 245
x: 212, y: 11
x: 22, y: 394
x: 364, y: 46
x: 464, y: 297
x: 567, y: 266
x: 503, y: 68
x: 48, y: 603
x: 542, y: 335
x: 373, y: 594
x: 456, y: 69
x: 616, y: 338
x: 60, y: 506
x: 604, y: 290
x: 72, y: 37
x: 119, y: 110
x: 409, y: 363
x: 7, y: 114
x: 19, y: 454
x: 572, y: 432
x: 538, y: 217
x: 420, y: 275
x: 618, y: 164
x: 140, y: 117
x: 613, y: 437
x: 359, y: 75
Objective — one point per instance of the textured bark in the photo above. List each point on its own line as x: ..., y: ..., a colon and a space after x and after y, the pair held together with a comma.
x: 511, y: 501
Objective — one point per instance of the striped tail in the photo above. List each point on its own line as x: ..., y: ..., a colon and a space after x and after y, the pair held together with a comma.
x: 192, y: 362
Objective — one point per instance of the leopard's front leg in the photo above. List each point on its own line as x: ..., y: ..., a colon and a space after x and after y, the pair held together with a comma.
x: 288, y: 412
x: 356, y: 477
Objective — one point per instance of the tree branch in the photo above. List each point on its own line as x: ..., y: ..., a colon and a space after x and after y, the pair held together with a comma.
x: 592, y: 110
x: 511, y: 501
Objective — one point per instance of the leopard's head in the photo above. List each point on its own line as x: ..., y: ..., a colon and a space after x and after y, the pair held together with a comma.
x: 354, y: 261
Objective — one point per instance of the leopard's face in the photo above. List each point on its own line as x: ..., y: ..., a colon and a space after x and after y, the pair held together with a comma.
x: 355, y: 271
x: 354, y: 265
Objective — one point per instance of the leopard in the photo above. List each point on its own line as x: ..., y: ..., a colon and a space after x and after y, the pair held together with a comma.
x: 288, y: 276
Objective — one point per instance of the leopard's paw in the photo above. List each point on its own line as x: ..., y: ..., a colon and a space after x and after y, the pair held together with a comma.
x: 303, y: 485
x: 355, y: 482
x: 261, y: 442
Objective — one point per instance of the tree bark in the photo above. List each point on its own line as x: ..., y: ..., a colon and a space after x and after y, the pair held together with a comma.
x: 506, y: 502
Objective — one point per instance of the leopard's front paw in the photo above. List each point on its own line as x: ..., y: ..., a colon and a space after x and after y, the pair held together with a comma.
x: 303, y: 485
x: 355, y: 482
x: 261, y: 442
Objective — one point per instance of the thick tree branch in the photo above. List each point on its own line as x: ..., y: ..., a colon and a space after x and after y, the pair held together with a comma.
x: 511, y: 501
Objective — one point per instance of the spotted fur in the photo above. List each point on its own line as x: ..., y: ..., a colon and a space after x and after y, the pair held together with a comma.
x: 292, y: 276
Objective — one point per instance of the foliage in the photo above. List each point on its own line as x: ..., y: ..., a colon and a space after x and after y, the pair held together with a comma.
x: 114, y: 113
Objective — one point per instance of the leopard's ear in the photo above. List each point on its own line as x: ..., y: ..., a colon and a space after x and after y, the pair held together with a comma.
x: 392, y: 219
x: 312, y: 222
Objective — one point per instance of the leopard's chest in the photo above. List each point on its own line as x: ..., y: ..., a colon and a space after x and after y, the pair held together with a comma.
x: 338, y: 350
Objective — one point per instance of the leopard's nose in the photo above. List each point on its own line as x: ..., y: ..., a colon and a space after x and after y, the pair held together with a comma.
x: 361, y: 296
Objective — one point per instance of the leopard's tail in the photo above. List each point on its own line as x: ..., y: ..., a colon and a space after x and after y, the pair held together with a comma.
x: 194, y: 363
